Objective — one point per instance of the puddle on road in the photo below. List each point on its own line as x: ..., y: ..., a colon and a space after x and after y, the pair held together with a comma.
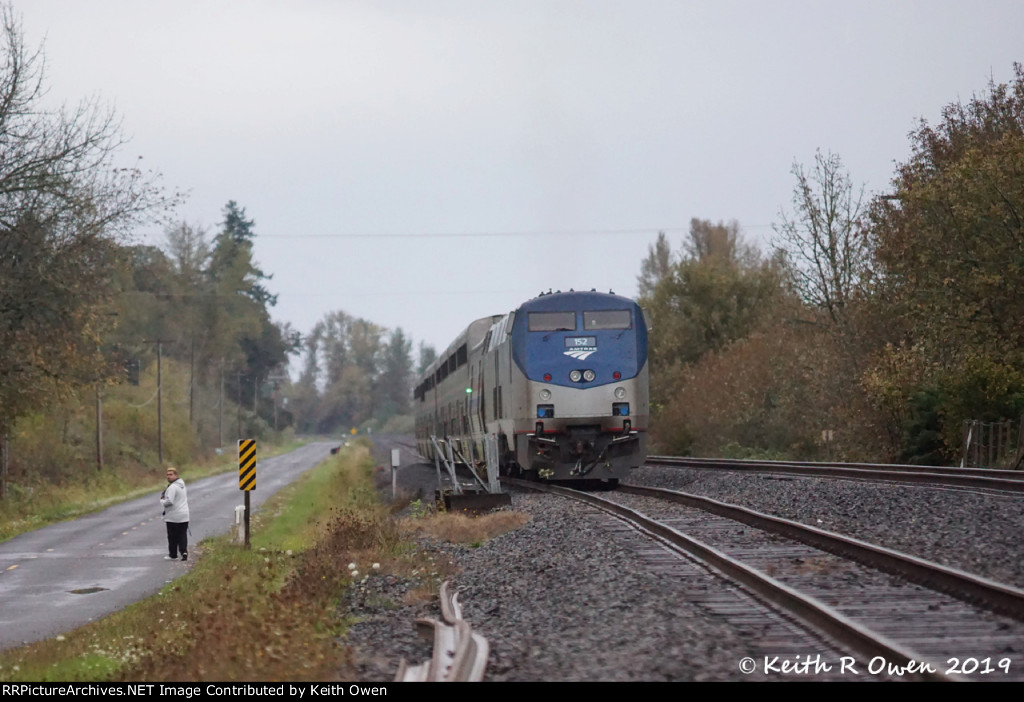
x: 87, y: 590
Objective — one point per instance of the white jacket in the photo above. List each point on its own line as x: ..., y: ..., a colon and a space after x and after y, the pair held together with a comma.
x: 175, y: 502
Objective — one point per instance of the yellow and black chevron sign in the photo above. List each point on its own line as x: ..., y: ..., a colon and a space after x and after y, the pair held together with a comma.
x: 247, y: 464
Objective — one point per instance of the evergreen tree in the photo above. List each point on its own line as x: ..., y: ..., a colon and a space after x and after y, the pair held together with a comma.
x: 243, y: 339
x: 396, y: 375
x: 427, y: 355
x: 232, y: 260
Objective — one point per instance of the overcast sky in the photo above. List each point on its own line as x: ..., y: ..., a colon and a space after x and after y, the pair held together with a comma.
x: 423, y: 164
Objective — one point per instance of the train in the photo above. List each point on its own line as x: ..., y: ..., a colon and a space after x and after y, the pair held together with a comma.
x: 561, y: 382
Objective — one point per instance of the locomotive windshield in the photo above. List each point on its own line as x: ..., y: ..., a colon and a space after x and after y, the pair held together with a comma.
x: 552, y: 321
x: 606, y: 319
x: 601, y: 336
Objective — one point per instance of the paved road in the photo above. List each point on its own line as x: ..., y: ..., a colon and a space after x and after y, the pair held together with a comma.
x: 63, y: 576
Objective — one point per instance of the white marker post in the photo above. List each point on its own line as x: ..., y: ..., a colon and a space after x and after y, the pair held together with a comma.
x: 394, y: 472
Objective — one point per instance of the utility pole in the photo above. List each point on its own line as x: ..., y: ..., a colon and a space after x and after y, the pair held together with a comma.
x: 99, y: 417
x: 159, y: 404
x: 3, y: 461
x: 238, y: 408
x: 159, y: 398
x: 220, y: 409
x: 99, y: 430
x: 276, y: 380
x: 191, y: 377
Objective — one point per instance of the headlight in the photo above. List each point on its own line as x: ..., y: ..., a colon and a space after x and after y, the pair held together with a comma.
x: 588, y: 375
x: 545, y: 394
x: 575, y: 376
x: 620, y: 393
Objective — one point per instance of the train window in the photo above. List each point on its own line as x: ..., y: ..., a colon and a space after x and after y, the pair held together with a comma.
x: 552, y: 321
x: 607, y: 319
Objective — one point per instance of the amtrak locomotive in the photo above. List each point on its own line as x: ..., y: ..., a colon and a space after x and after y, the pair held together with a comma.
x: 562, y: 382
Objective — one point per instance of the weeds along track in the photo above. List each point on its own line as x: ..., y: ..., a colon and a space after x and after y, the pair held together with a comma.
x: 866, y: 599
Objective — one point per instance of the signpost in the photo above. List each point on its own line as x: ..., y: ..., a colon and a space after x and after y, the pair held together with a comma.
x: 395, y: 461
x: 247, y: 475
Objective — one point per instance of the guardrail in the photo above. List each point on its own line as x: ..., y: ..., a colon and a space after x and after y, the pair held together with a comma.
x: 459, y: 654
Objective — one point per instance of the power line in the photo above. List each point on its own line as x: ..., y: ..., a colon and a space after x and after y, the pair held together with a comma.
x: 466, y: 235
x: 438, y: 235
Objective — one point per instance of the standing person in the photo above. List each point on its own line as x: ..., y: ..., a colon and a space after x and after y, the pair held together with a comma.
x: 175, y: 502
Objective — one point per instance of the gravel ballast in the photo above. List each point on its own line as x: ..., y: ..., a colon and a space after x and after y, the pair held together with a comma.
x: 566, y: 598
x: 559, y: 599
x: 978, y: 533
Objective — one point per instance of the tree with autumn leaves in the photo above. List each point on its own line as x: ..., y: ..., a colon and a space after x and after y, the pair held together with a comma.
x: 949, y: 249
x: 80, y: 305
x: 65, y: 204
x: 889, y: 322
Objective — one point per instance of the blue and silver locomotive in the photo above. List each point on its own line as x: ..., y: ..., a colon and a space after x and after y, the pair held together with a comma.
x: 562, y: 382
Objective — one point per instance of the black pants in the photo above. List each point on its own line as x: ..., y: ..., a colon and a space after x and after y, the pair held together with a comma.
x: 177, y: 538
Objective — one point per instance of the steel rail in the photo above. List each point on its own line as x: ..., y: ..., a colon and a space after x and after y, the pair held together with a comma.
x: 989, y: 594
x: 1001, y: 480
x: 812, y: 612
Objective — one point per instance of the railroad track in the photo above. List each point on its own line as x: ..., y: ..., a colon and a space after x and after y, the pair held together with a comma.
x: 982, y: 479
x: 904, y: 630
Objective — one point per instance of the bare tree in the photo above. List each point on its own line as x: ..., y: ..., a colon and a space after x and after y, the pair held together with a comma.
x: 189, y: 248
x: 824, y: 239
x: 64, y: 205
x: 60, y: 165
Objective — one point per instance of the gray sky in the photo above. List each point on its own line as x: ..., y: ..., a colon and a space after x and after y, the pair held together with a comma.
x: 555, y: 138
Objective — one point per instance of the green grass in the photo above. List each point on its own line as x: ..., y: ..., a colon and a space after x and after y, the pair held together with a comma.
x: 28, y: 509
x: 274, y: 612
x: 262, y: 614
x: 303, y: 510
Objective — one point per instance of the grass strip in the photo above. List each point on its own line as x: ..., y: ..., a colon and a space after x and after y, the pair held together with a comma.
x: 265, y: 614
x: 42, y: 505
